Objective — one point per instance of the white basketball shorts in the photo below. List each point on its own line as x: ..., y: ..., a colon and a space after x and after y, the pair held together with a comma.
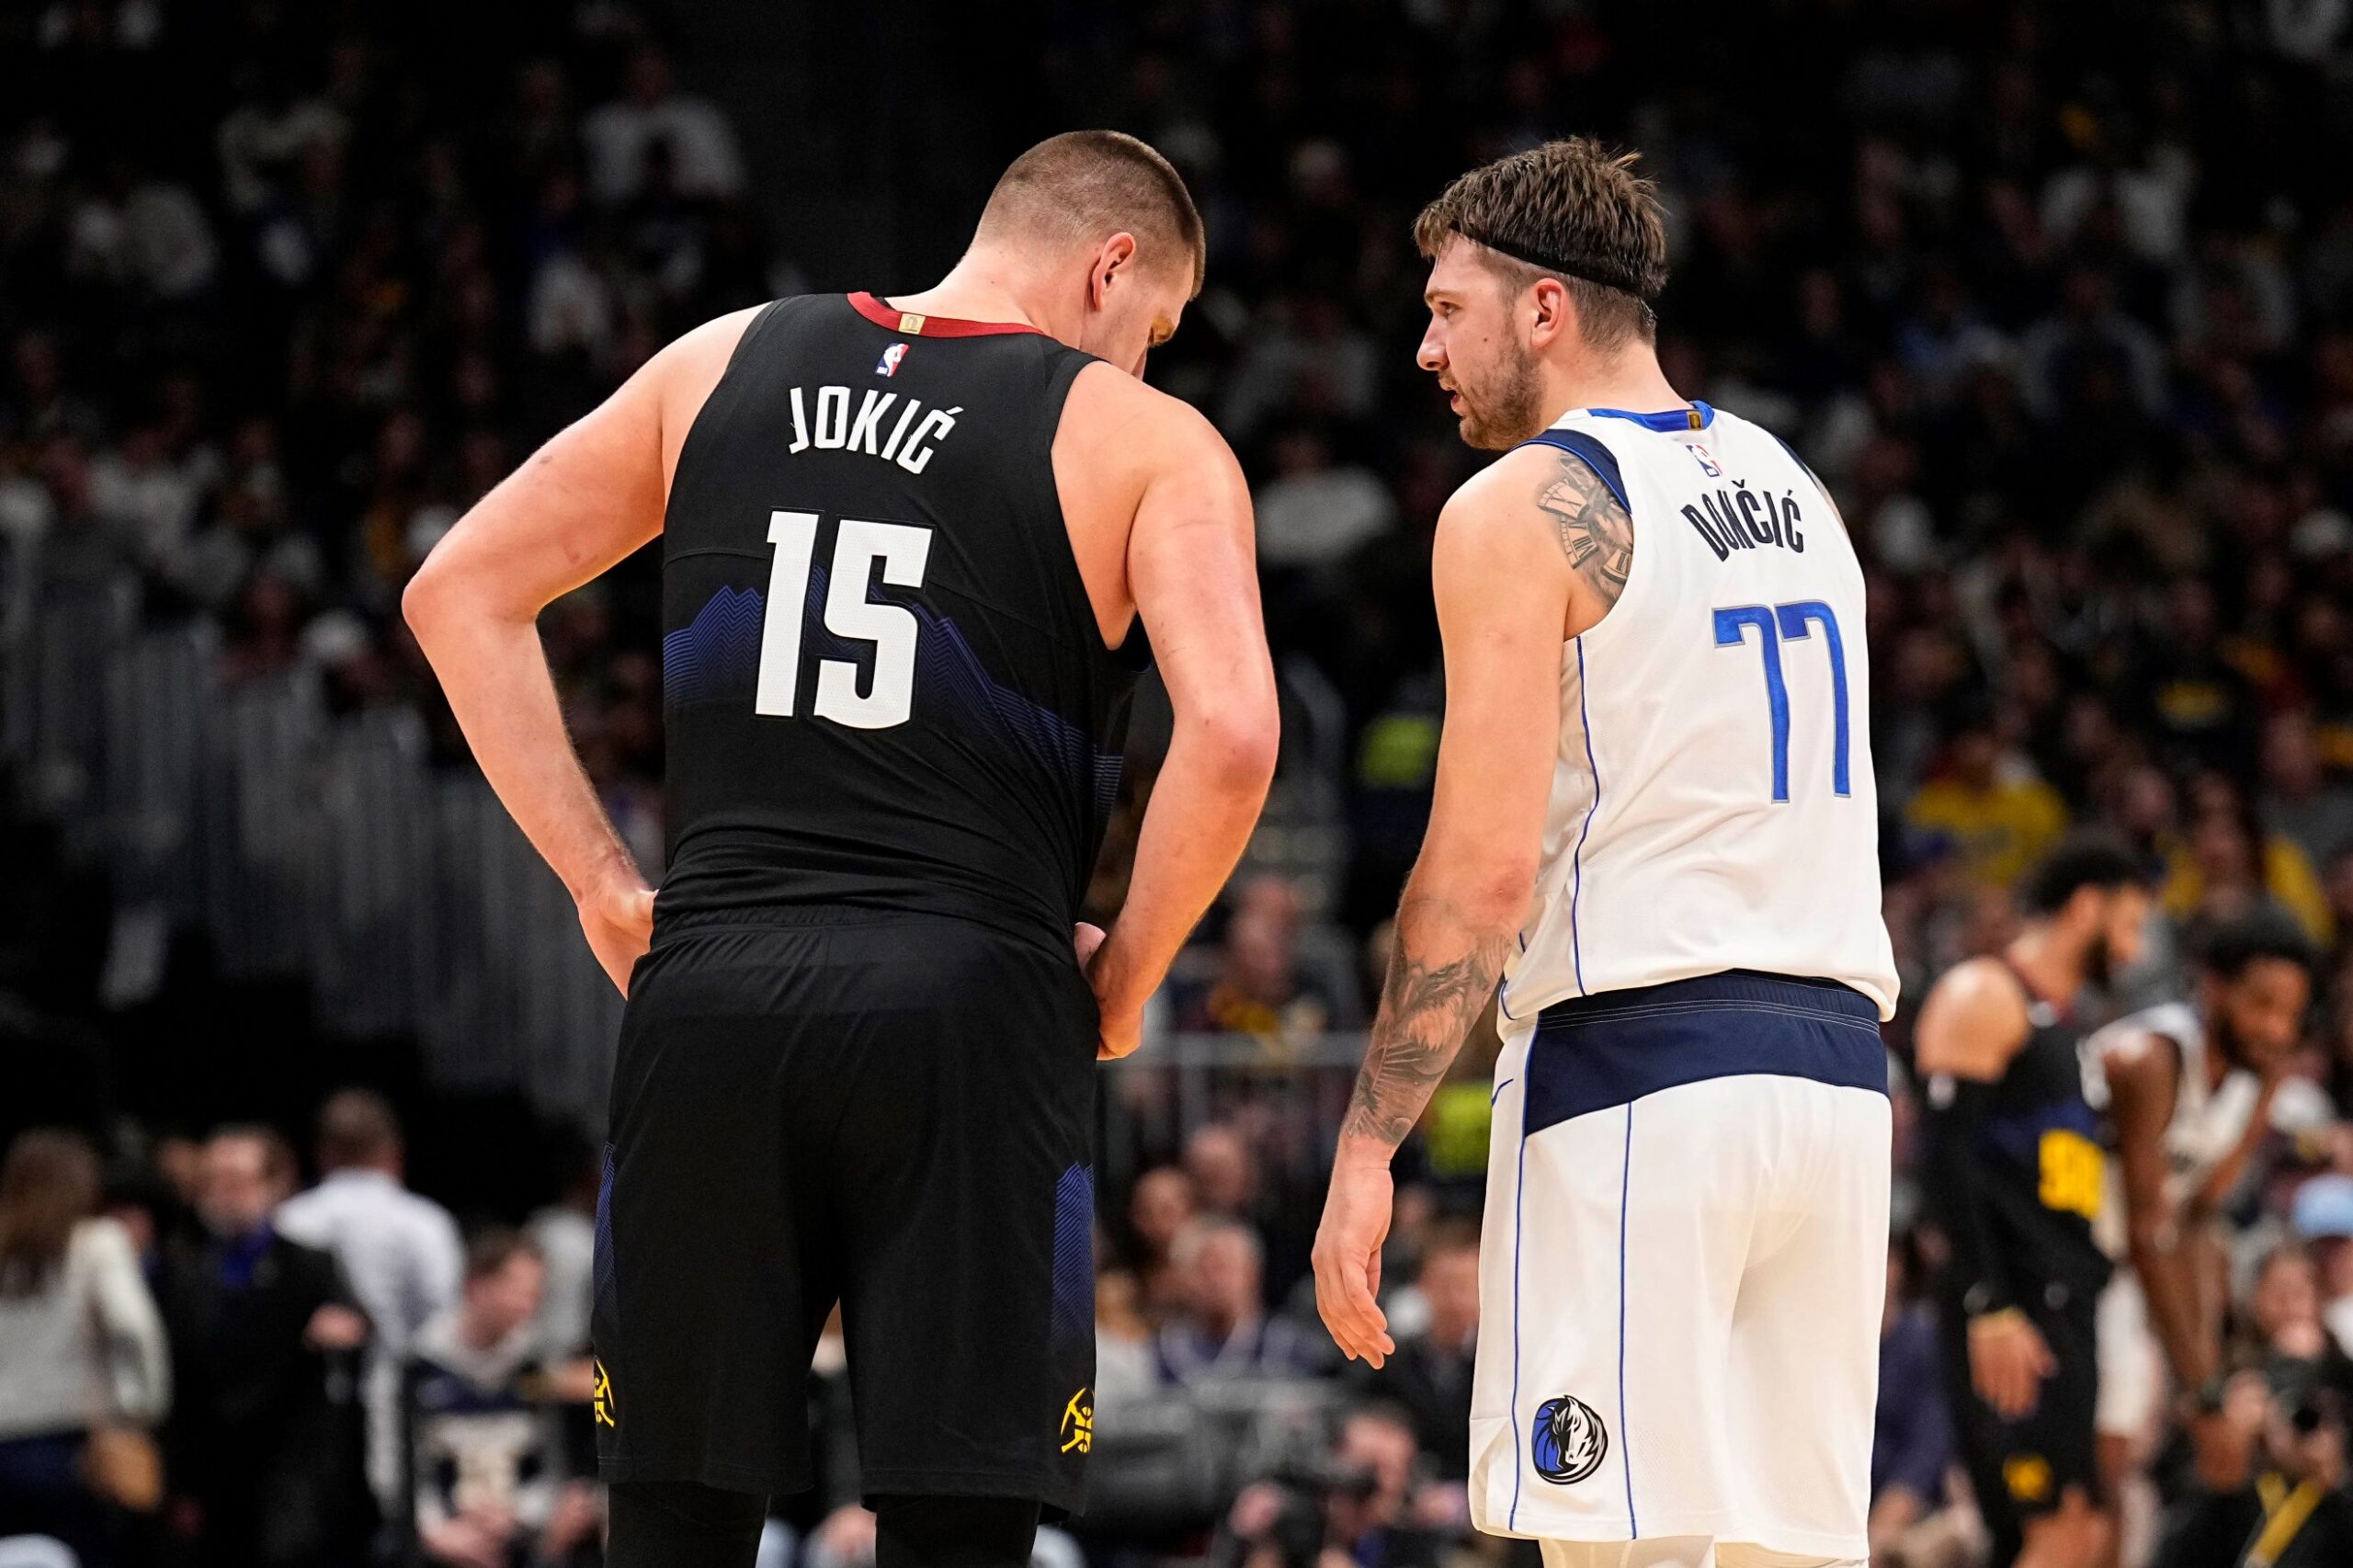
x: 1684, y: 1262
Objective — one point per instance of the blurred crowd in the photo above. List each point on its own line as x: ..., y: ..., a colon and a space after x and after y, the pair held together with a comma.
x: 2054, y: 296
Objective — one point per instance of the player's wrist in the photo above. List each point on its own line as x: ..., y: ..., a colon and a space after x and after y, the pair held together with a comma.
x: 612, y: 878
x: 1997, y: 1320
x: 1362, y: 1150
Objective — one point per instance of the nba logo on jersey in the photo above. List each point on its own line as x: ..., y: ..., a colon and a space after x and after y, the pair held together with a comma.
x: 889, y: 364
x: 1708, y: 465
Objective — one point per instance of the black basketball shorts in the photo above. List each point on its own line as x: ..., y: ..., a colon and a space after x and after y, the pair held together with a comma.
x: 893, y: 1113
x: 2024, y: 1468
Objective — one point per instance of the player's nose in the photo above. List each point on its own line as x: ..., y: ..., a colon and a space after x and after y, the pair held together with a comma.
x: 1431, y: 354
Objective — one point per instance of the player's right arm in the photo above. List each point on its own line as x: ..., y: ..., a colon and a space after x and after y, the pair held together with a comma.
x: 2143, y: 1076
x: 1971, y: 1025
x: 1191, y: 566
x: 580, y: 504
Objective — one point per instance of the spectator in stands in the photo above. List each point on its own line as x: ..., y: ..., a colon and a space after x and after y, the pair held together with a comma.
x: 493, y: 1486
x: 1224, y: 1331
x: 80, y: 1344
x: 1912, y: 1444
x: 1124, y: 1367
x: 1988, y: 805
x: 265, y: 1448
x: 1223, y: 1175
x: 654, y: 125
x: 2299, y: 799
x: 1159, y: 1208
x: 2227, y: 864
x: 2268, y: 1487
x: 2323, y: 1219
x: 399, y: 1252
x: 2288, y: 1340
x: 564, y: 1232
x: 1430, y: 1377
x: 1361, y: 1507
x: 1257, y: 982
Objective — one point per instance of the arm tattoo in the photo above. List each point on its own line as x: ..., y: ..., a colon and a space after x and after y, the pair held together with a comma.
x: 1426, y: 1009
x: 1595, y: 530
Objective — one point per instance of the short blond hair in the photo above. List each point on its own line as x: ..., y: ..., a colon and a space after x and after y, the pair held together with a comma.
x: 1087, y: 185
x: 1572, y: 210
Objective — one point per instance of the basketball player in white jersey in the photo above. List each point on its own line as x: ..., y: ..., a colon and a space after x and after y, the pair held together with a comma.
x: 1655, y: 825
x: 2186, y: 1089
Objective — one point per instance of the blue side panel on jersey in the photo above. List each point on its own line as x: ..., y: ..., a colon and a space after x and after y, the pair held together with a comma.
x: 1073, y: 1308
x: 717, y: 655
x: 1593, y: 1052
x: 716, y: 658
x: 1597, y: 457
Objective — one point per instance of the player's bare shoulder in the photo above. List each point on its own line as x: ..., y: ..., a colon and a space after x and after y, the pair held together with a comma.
x: 1538, y: 505
x: 685, y: 371
x: 1974, y: 1019
x: 1120, y: 426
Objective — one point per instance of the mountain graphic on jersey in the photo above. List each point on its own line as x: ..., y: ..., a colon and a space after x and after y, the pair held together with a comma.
x: 716, y: 658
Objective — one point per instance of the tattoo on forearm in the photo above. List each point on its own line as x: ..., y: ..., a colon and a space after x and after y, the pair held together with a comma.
x: 1426, y: 1009
x: 1596, y: 532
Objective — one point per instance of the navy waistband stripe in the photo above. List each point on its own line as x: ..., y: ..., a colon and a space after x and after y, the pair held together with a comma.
x: 1595, y: 1053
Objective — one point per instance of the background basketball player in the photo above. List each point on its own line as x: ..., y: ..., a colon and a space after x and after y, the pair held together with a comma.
x: 2017, y: 1180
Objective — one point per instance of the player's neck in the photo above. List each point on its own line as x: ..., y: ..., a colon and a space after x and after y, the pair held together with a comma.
x: 1629, y: 379
x: 983, y: 288
x: 2048, y: 964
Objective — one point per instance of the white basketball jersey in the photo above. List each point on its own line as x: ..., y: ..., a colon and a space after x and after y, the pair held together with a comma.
x: 1712, y: 803
x: 2206, y: 1125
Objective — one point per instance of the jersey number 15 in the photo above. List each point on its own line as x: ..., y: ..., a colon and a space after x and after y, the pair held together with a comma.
x: 900, y: 552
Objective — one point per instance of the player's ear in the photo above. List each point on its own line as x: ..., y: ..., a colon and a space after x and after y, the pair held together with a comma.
x: 1553, y: 316
x: 1113, y: 260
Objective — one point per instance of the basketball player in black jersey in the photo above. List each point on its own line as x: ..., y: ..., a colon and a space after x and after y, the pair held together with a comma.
x: 2014, y: 1180
x: 906, y: 545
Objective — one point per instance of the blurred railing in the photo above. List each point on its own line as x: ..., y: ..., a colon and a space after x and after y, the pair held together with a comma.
x: 300, y: 842
x: 303, y: 843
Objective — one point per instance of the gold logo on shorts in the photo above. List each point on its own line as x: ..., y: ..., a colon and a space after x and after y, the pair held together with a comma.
x: 600, y: 1394
x: 2028, y: 1476
x: 1078, y: 1424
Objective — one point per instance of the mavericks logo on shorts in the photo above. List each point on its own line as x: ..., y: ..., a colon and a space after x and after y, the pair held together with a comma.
x: 1567, y: 1442
x: 1078, y: 1424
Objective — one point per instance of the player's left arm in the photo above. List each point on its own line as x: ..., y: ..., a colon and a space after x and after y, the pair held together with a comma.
x: 1507, y: 572
x: 2142, y: 1078
x: 581, y: 503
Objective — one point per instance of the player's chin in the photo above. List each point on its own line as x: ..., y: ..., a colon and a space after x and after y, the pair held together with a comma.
x: 1483, y: 437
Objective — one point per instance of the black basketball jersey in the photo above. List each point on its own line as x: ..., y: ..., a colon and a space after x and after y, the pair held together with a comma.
x: 884, y: 686
x: 2045, y: 1171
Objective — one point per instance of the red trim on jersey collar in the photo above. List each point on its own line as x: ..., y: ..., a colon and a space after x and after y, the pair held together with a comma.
x: 915, y: 325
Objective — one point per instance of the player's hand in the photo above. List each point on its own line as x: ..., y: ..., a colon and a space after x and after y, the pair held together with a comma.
x: 1120, y: 1030
x: 1348, y: 1255
x: 1118, y: 1035
x: 617, y: 916
x: 336, y: 1327
x: 2007, y: 1361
